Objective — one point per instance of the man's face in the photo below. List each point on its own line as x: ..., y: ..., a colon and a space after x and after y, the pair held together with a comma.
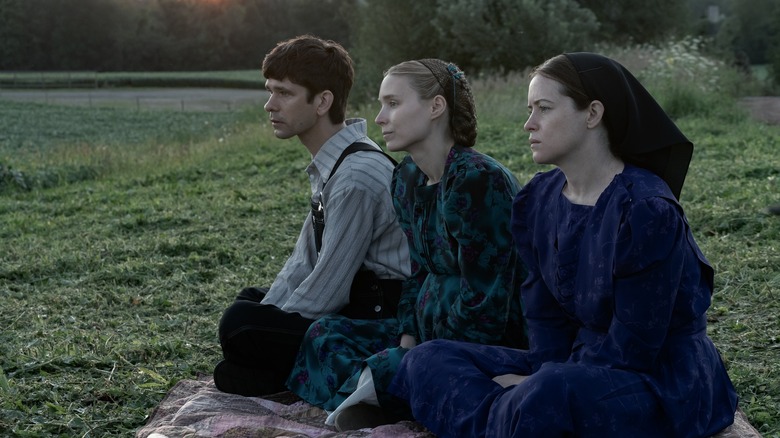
x: 290, y: 112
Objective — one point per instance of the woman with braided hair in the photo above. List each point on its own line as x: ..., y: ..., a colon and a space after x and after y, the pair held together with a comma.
x: 454, y: 205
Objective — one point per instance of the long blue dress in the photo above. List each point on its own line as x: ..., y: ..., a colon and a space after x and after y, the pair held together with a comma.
x: 615, y: 301
x: 464, y: 283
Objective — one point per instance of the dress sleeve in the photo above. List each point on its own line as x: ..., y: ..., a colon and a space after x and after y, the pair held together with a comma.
x: 401, y: 184
x: 407, y: 304
x: 649, y: 263
x: 551, y: 331
x: 477, y: 209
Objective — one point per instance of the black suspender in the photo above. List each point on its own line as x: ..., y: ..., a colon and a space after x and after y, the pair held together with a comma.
x: 318, y: 208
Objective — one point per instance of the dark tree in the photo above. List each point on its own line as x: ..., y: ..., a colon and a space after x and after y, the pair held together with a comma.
x: 639, y: 21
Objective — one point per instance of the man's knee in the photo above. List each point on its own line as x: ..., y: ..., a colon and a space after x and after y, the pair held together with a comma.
x: 255, y: 294
x: 236, y: 316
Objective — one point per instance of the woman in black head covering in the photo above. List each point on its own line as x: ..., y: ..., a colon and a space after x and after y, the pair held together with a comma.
x: 617, y: 289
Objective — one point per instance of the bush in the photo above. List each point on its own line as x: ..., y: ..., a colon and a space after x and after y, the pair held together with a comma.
x: 12, y: 178
x: 685, y: 78
x: 774, y: 66
x: 493, y: 36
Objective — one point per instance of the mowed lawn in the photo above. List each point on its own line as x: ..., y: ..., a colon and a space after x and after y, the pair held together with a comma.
x: 126, y: 233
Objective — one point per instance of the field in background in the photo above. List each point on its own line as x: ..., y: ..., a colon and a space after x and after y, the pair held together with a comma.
x: 247, y: 79
x: 126, y: 233
x: 177, y: 99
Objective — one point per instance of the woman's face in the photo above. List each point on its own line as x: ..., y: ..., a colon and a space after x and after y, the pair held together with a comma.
x: 555, y: 124
x: 405, y: 118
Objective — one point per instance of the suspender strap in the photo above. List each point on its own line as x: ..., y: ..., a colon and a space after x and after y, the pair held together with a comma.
x: 318, y: 208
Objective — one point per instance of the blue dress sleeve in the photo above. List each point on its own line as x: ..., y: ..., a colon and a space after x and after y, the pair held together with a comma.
x: 477, y: 210
x: 551, y: 331
x: 649, y: 264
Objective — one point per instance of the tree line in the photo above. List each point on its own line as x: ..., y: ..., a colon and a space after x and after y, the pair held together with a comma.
x: 154, y: 35
x: 494, y: 35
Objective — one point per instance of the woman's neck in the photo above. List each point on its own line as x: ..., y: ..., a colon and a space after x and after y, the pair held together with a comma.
x: 586, y: 182
x: 431, y: 157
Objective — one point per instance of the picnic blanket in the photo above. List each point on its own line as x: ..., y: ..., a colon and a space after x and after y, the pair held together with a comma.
x: 196, y: 408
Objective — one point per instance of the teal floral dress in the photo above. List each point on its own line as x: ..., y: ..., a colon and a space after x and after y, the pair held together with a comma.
x: 464, y: 284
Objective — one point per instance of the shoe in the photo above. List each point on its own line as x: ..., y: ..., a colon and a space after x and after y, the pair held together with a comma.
x: 360, y: 416
x: 249, y: 382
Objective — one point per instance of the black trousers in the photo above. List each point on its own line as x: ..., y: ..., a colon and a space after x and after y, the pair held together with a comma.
x: 260, y: 341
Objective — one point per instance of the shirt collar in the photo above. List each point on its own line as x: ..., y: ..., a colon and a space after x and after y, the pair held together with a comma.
x: 322, y: 163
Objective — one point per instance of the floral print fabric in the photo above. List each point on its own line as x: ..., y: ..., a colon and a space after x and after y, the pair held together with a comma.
x: 464, y: 283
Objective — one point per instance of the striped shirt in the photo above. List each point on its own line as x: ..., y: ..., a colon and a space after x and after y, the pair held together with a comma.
x: 361, y: 229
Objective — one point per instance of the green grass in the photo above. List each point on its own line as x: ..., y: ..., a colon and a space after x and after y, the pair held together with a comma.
x: 735, y: 175
x: 112, y: 284
x: 91, y: 79
x: 54, y: 143
x: 112, y: 287
x: 36, y: 128
x: 64, y: 75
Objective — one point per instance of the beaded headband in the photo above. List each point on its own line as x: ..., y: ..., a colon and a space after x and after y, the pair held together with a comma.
x: 454, y: 73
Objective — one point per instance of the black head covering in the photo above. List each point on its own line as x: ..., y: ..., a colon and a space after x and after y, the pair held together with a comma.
x: 639, y: 129
x: 457, y: 92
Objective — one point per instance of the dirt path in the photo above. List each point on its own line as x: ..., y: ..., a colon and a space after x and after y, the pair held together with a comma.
x: 183, y: 99
x: 765, y: 108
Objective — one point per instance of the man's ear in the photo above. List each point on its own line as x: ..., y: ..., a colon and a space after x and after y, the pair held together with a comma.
x: 438, y: 106
x: 595, y: 113
x: 324, y: 100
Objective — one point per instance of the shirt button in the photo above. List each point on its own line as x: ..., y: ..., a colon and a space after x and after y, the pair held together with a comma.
x: 378, y: 309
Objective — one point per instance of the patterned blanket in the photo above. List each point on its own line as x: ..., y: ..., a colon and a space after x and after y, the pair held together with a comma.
x: 196, y: 408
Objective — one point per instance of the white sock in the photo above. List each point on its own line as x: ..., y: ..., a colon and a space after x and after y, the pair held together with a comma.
x: 364, y: 393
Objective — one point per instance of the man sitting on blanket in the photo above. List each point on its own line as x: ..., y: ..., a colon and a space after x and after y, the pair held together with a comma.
x: 309, y: 80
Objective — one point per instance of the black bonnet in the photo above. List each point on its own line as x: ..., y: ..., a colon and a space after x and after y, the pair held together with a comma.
x: 639, y: 129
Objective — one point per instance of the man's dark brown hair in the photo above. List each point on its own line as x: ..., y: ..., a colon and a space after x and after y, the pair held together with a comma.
x: 315, y: 64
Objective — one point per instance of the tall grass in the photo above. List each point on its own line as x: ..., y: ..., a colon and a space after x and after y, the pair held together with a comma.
x: 112, y: 285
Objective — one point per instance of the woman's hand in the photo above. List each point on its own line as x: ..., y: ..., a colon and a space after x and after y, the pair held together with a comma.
x: 509, y: 379
x: 408, y: 342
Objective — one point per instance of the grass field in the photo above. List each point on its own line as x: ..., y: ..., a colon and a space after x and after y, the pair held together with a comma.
x: 126, y: 233
x: 92, y: 79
